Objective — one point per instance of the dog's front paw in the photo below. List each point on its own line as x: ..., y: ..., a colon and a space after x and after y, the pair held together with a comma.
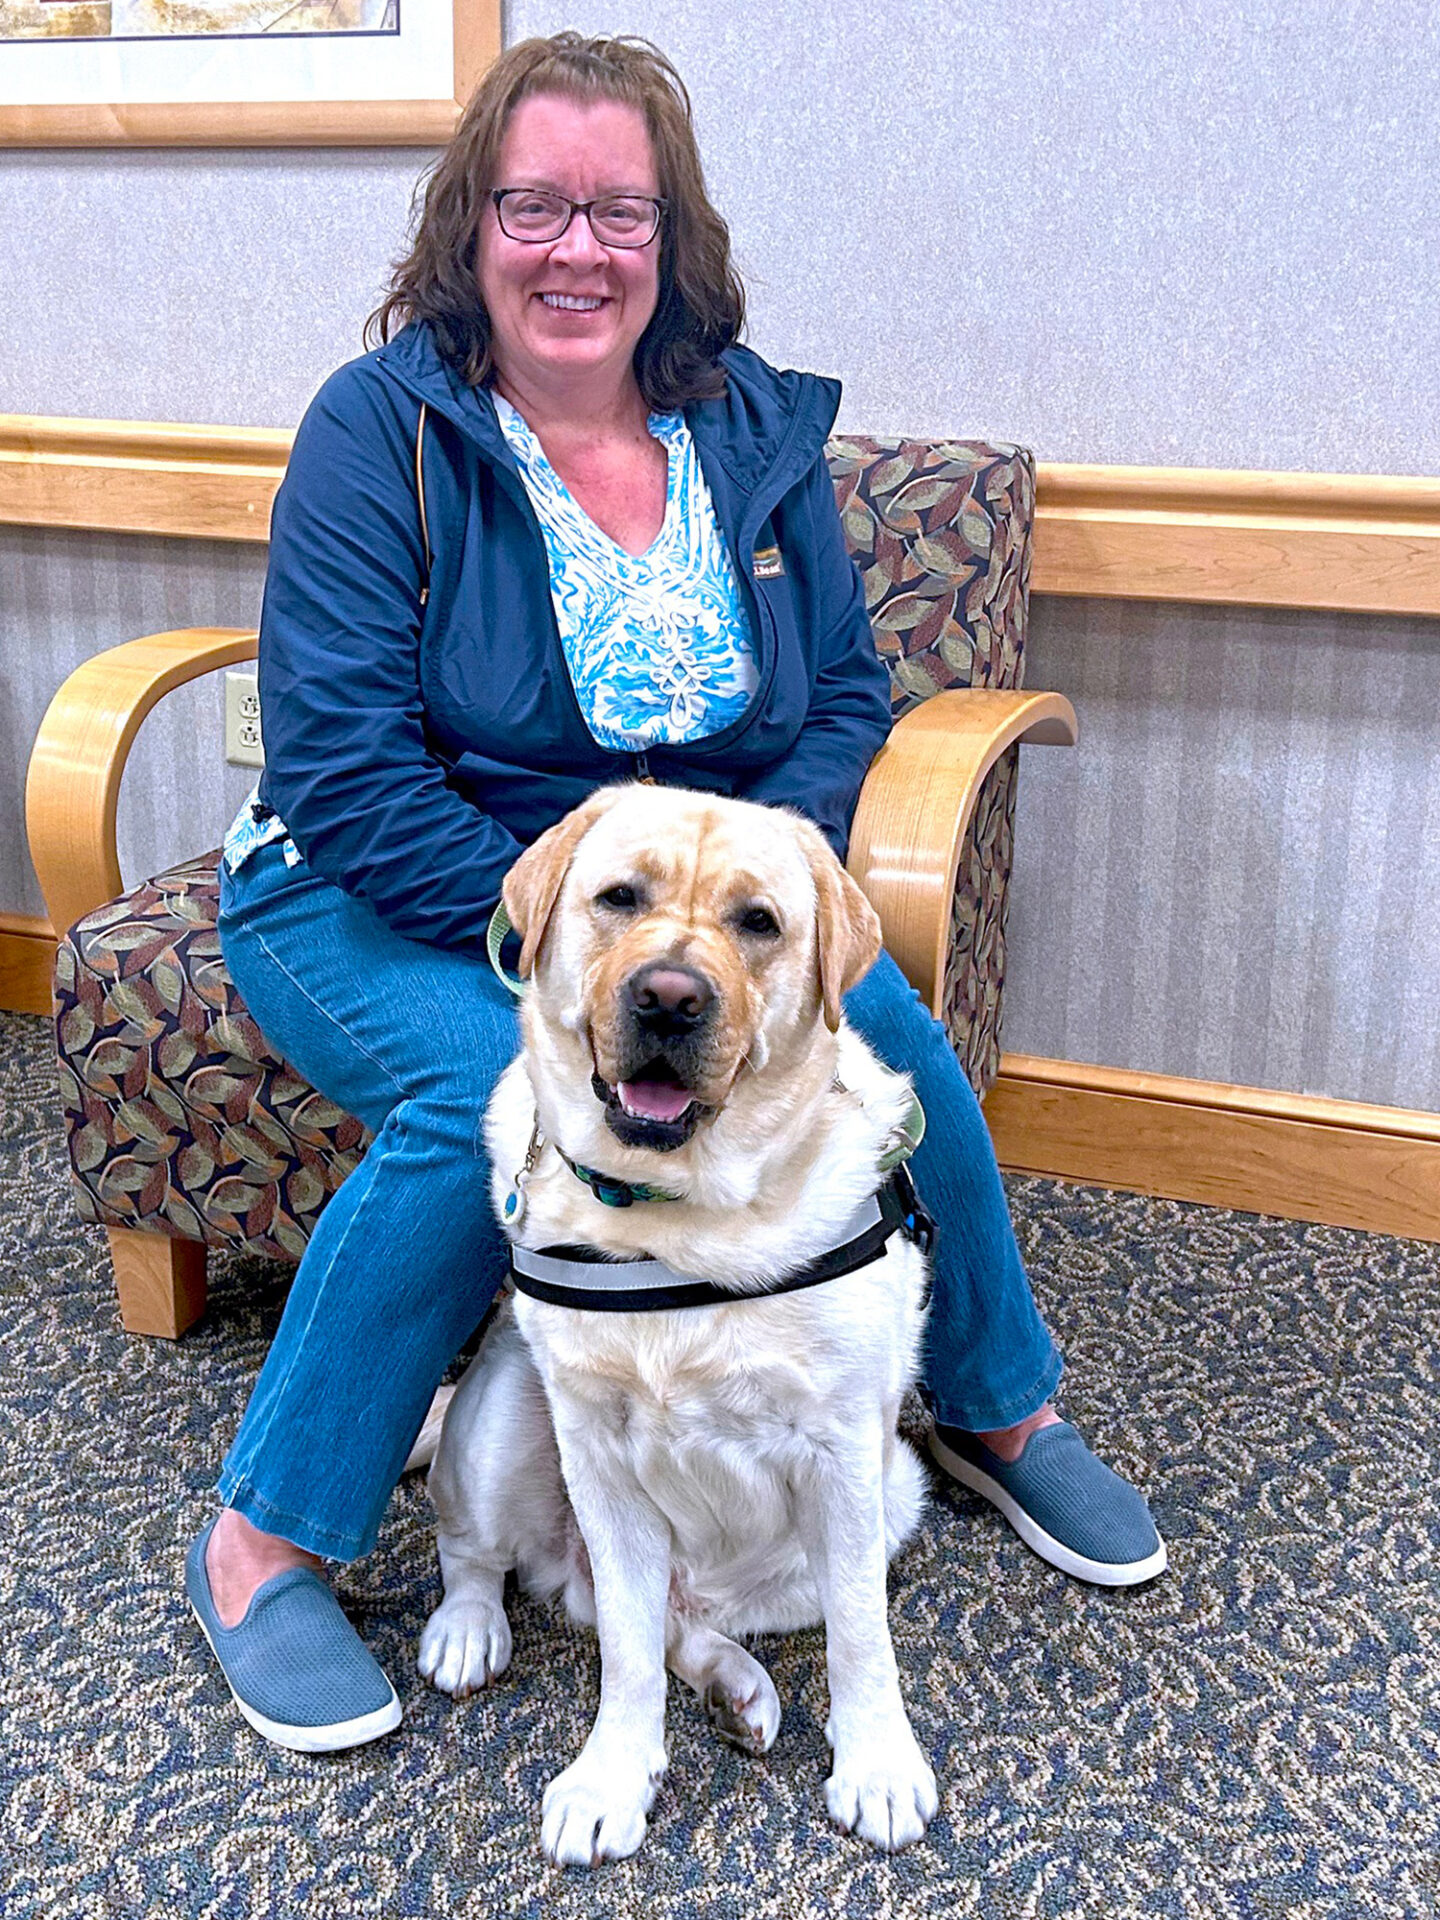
x: 465, y: 1645
x: 884, y: 1792
x: 596, y: 1811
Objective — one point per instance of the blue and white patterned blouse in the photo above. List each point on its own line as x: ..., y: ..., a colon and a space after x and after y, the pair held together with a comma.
x: 251, y: 830
x: 658, y: 644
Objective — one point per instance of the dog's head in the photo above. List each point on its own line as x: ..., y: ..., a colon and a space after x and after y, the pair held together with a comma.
x: 685, y: 939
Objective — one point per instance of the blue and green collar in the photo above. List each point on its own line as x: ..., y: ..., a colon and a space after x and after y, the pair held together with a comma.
x: 613, y: 1192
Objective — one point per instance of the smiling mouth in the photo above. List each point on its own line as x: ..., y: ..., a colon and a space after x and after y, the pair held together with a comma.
x: 654, y: 1110
x: 572, y: 302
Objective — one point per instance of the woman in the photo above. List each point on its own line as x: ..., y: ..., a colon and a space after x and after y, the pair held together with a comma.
x: 579, y: 604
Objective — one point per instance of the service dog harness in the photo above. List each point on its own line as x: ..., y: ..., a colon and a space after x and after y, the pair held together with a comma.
x: 586, y: 1277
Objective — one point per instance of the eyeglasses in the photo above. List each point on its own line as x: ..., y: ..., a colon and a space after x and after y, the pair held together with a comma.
x: 617, y: 220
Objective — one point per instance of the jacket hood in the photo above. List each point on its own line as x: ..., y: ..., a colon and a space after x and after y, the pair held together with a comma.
x: 767, y: 417
x: 415, y: 361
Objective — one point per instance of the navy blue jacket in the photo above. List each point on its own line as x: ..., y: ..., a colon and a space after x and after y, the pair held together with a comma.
x: 414, y: 749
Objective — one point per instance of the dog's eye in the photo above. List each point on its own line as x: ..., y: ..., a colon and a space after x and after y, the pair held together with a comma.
x: 622, y: 898
x: 757, y: 920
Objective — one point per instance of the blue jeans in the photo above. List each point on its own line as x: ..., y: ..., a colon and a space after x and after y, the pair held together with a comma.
x: 407, y: 1256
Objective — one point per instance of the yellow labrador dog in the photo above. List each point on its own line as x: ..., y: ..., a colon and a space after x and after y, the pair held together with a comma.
x: 690, y: 1105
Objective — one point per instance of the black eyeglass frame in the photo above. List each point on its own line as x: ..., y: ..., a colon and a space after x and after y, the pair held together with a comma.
x: 497, y: 194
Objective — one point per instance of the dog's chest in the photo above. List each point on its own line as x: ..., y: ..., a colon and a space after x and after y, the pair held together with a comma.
x: 678, y: 1375
x: 719, y: 1453
x: 717, y: 1414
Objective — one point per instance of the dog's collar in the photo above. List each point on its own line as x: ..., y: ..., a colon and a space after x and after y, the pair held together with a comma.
x: 584, y: 1277
x: 611, y: 1191
x: 607, y: 1188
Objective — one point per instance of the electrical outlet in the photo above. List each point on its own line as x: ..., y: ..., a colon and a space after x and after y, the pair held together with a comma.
x: 244, y: 746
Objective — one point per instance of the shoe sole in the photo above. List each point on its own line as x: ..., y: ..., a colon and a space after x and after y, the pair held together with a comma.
x: 332, y: 1739
x: 1100, y: 1573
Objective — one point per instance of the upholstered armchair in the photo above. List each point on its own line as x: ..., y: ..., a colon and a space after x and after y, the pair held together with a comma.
x: 186, y: 1131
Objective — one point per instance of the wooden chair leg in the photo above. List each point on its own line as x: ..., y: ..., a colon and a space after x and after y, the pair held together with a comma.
x: 161, y: 1281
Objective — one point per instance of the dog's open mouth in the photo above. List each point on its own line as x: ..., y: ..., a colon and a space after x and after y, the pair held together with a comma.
x: 653, y: 1109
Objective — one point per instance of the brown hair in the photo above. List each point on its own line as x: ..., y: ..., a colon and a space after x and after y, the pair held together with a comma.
x: 701, y: 307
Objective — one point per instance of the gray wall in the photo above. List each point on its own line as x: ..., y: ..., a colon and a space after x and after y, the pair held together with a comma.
x: 68, y: 595
x: 1118, y: 230
x: 1114, y: 231
x: 1236, y: 874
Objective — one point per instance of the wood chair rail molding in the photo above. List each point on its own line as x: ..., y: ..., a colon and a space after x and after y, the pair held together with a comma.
x: 1353, y: 542
x: 137, y: 476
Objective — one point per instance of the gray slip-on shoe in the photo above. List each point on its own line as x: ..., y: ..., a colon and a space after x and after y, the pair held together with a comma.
x: 1071, y: 1508
x: 300, y: 1673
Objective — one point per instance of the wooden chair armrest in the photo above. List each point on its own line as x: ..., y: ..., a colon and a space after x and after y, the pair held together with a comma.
x: 916, y: 805
x: 80, y: 752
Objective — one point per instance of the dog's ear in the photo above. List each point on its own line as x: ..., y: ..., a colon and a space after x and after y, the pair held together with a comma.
x: 532, y: 886
x: 847, y: 929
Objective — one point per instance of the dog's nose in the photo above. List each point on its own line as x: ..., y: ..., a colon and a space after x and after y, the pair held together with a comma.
x: 667, y: 998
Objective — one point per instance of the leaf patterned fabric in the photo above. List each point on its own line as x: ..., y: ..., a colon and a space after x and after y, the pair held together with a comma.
x: 178, y: 1115
x: 181, y: 1120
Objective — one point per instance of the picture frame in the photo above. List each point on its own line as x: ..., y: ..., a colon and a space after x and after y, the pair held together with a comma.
x: 146, y: 121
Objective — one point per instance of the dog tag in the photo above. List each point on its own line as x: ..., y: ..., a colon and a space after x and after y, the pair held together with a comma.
x: 512, y: 1209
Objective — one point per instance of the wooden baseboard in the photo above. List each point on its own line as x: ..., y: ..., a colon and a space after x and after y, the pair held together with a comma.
x: 1289, y: 1155
x: 27, y: 961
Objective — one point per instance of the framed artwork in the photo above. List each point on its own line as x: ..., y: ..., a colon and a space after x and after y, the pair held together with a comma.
x: 240, y: 73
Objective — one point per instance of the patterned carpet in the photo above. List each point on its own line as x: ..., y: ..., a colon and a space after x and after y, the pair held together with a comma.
x: 1258, y: 1733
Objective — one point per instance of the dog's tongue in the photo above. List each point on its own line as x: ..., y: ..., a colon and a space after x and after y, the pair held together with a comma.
x: 654, y: 1099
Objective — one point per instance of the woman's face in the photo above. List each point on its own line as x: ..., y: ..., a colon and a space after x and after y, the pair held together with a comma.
x: 568, y: 313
